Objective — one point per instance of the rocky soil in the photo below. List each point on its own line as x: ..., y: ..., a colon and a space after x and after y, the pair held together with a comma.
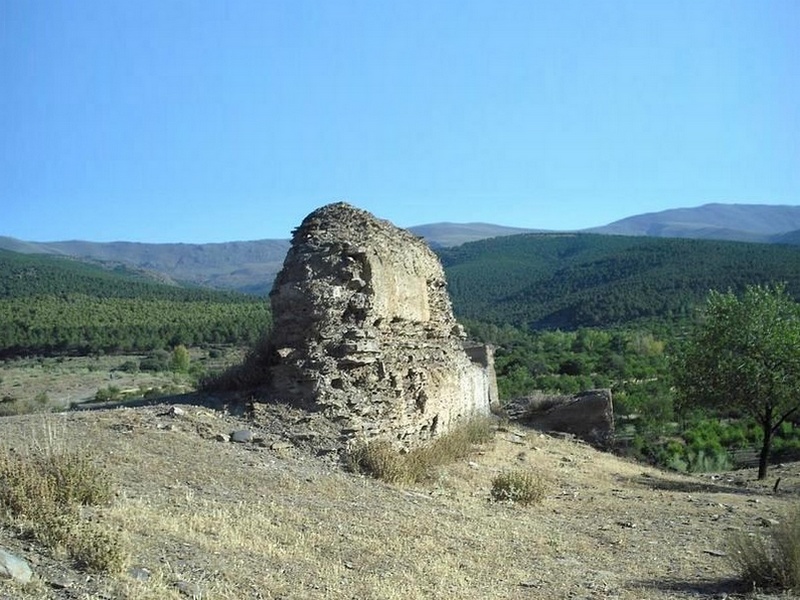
x: 204, y: 516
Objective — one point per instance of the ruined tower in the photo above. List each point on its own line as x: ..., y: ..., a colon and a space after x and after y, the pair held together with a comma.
x: 364, y: 331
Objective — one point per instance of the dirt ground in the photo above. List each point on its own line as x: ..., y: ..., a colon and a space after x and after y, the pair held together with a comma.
x: 263, y: 519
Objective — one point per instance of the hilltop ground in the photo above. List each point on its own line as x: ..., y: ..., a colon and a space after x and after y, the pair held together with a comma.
x: 266, y: 520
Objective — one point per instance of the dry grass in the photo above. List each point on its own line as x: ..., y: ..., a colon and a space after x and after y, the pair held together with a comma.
x: 519, y: 486
x: 244, y: 522
x: 380, y: 460
x: 42, y: 490
x: 771, y: 561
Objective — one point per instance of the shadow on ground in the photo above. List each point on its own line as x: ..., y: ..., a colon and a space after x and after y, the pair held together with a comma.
x: 235, y: 403
x: 688, y: 486
x: 713, y: 588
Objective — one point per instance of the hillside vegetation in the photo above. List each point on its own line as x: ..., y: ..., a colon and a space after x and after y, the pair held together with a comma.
x: 548, y: 281
x: 532, y: 281
x: 50, y: 304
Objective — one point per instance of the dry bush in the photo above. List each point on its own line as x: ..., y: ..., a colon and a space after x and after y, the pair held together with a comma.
x: 95, y: 548
x: 519, y: 486
x: 10, y: 407
x: 41, y: 492
x: 61, y: 478
x: 772, y: 561
x: 378, y: 459
x: 253, y: 372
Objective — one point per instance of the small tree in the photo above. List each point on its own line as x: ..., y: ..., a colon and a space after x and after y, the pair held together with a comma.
x: 745, y: 356
x: 180, y: 359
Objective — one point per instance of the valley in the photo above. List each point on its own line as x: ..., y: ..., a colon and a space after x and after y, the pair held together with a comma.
x: 218, y: 494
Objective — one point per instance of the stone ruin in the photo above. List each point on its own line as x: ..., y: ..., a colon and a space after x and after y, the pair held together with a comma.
x: 588, y: 415
x: 364, y: 333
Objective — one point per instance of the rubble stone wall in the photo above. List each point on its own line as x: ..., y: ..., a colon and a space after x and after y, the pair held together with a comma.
x: 364, y: 332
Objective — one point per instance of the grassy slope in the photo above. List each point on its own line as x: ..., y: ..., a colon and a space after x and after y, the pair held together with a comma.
x: 243, y: 521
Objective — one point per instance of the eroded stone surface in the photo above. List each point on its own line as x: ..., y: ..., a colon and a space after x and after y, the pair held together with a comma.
x: 588, y: 415
x: 364, y: 332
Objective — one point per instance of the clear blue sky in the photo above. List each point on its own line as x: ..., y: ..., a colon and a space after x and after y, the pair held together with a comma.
x: 209, y: 121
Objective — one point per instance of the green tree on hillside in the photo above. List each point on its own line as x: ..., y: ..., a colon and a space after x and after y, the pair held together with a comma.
x: 180, y: 359
x: 744, y: 356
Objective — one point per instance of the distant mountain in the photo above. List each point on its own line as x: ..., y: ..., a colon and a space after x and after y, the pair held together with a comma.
x: 793, y: 237
x: 540, y: 281
x: 446, y: 235
x: 247, y: 267
x: 735, y: 222
x: 251, y: 266
x: 243, y: 266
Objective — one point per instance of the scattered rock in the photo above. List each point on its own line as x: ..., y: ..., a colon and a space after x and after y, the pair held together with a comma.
x: 222, y: 437
x: 60, y: 582
x: 242, y: 436
x: 187, y: 588
x: 281, y: 446
x: 176, y: 411
x: 719, y: 553
x: 13, y: 567
x: 765, y: 522
x: 139, y: 573
x: 588, y: 415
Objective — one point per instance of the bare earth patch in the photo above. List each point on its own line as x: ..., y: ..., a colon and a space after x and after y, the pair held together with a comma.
x: 216, y: 519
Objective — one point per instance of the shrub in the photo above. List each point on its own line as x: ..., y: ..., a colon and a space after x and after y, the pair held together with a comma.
x: 158, y: 360
x: 129, y: 366
x: 770, y: 561
x: 42, y: 492
x: 108, y: 394
x: 96, y: 549
x: 251, y: 373
x: 519, y: 486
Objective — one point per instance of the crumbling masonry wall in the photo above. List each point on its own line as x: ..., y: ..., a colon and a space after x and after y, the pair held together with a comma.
x: 364, y: 332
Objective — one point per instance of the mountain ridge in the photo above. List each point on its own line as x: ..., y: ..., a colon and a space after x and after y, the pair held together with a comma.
x: 250, y: 266
x: 733, y: 222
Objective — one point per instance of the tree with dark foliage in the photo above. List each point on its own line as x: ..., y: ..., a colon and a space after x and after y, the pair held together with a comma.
x: 744, y: 357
